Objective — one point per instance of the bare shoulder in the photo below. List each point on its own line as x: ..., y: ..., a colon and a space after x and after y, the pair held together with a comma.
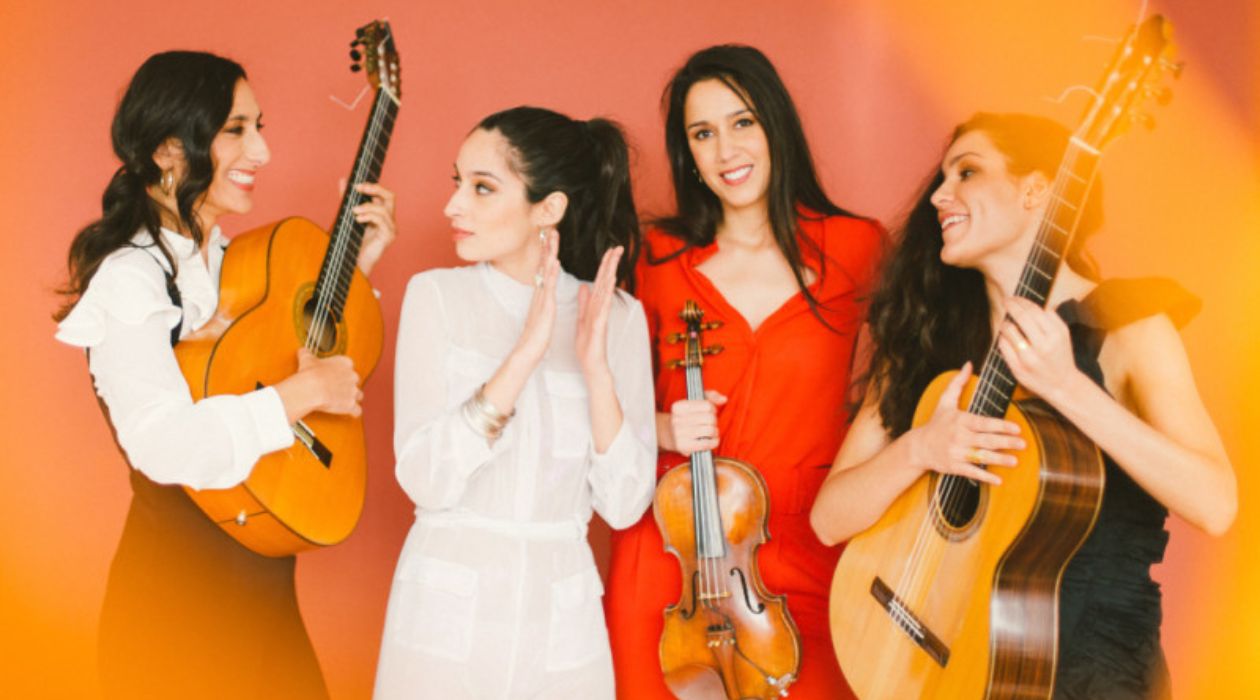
x: 1145, y: 359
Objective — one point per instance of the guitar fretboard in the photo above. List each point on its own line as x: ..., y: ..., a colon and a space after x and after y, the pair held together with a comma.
x: 1068, y: 195
x: 347, y: 234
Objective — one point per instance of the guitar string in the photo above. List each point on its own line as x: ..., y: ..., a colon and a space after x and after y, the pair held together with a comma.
x: 341, y: 237
x: 953, y: 504
x: 343, y: 234
x: 946, y: 495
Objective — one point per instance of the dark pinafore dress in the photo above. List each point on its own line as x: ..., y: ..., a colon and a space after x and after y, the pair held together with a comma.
x: 1109, y: 615
x: 191, y: 613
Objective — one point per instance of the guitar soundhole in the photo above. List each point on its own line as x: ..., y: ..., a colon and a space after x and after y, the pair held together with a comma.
x: 325, y: 333
x: 957, y: 501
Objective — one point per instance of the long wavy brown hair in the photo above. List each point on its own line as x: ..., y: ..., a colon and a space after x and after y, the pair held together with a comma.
x: 185, y: 95
x: 927, y: 317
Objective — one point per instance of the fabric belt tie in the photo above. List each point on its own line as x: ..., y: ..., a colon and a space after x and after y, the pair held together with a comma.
x: 560, y: 530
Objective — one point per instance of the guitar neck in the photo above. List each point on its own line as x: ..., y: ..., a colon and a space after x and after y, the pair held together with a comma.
x: 347, y: 234
x: 1068, y: 195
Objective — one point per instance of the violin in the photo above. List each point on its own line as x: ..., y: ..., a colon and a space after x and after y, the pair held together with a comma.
x: 727, y: 637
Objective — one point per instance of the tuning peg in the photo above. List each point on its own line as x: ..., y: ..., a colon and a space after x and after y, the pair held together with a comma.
x: 1174, y: 67
x: 713, y: 349
x: 675, y: 337
x: 355, y: 68
x: 355, y: 55
x: 1142, y: 119
x: 1161, y: 95
x: 675, y: 364
x: 711, y: 325
x: 359, y: 32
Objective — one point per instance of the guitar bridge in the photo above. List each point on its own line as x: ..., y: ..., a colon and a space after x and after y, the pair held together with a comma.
x: 910, y: 623
x: 307, y: 437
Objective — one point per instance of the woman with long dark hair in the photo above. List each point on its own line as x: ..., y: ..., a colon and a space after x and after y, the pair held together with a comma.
x: 1104, y: 353
x: 758, y: 245
x: 523, y: 401
x: 188, y: 611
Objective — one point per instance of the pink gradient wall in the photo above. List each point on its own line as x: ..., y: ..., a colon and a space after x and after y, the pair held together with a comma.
x: 879, y: 84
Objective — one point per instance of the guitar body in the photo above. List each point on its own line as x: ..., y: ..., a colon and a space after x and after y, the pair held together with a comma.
x: 293, y: 499
x: 745, y: 641
x: 979, y: 583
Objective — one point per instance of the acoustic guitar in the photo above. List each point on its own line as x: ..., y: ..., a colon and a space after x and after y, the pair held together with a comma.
x: 285, y: 286
x: 954, y: 592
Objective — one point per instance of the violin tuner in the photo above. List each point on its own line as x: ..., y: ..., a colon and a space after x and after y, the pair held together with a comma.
x: 713, y: 350
x: 675, y: 337
x: 710, y: 325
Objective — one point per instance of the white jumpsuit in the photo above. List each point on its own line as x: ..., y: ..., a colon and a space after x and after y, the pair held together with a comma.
x: 496, y: 594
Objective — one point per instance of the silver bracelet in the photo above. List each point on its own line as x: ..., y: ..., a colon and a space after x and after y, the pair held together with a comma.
x: 483, y: 417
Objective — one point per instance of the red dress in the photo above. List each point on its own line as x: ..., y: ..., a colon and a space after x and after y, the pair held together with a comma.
x: 786, y: 415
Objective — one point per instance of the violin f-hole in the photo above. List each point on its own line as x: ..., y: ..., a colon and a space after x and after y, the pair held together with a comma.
x: 756, y: 608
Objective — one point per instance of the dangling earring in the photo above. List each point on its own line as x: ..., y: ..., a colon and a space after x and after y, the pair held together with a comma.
x: 696, y: 172
x: 168, y: 181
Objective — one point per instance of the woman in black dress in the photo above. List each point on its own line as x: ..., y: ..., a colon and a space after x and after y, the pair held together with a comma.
x: 1105, y: 354
x: 189, y: 612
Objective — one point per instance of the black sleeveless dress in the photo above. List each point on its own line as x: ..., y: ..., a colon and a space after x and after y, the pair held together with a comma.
x: 1109, y: 615
x: 190, y: 613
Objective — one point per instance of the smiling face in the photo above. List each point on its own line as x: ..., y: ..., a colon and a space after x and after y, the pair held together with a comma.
x: 728, y: 145
x: 492, y: 218
x: 237, y: 152
x: 985, y: 212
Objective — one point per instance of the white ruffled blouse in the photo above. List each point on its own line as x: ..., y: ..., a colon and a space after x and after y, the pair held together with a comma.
x: 125, y: 319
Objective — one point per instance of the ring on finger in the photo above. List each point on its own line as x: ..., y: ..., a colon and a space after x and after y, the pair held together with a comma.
x: 975, y: 456
x: 1021, y: 345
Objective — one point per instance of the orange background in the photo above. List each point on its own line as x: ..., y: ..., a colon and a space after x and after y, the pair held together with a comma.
x: 879, y: 84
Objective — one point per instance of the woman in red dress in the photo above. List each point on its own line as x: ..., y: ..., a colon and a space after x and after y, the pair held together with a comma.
x: 759, y: 246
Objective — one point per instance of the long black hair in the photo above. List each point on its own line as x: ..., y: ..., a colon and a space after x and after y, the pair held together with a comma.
x: 184, y: 95
x: 793, y: 179
x: 589, y: 162
x: 928, y: 317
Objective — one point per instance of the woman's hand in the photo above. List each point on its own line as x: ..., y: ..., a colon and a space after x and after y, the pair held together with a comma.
x: 378, y: 214
x: 594, y: 301
x: 955, y: 441
x: 1037, y: 346
x: 327, y: 384
x: 541, y: 317
x: 691, y: 425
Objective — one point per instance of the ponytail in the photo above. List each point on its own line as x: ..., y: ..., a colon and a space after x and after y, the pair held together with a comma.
x: 590, y: 163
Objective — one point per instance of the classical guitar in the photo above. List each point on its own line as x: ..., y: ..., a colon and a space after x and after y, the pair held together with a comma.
x: 954, y: 592
x: 727, y: 637
x: 285, y: 286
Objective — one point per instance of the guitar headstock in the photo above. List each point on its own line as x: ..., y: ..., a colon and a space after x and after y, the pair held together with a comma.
x: 1132, y: 78
x: 378, y: 57
x: 695, y: 350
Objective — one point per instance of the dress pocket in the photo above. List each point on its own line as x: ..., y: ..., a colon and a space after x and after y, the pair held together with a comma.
x: 437, y: 606
x: 570, y: 413
x: 577, y: 634
x: 465, y: 371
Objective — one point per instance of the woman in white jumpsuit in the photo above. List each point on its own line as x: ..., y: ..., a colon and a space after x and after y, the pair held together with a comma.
x: 523, y: 400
